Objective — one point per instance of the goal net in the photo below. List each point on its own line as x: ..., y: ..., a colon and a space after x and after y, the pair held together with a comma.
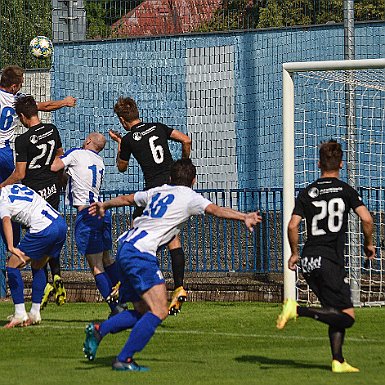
x: 345, y: 101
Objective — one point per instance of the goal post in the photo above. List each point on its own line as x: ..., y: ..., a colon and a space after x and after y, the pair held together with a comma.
x: 332, y: 88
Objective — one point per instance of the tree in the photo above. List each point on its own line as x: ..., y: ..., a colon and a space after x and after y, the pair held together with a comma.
x: 101, y: 14
x: 21, y: 21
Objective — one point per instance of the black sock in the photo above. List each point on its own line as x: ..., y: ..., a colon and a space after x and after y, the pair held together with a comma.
x: 177, y: 262
x: 332, y: 317
x: 54, y: 264
x: 336, y: 337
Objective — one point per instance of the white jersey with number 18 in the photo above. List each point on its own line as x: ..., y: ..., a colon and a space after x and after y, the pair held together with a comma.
x: 166, y: 209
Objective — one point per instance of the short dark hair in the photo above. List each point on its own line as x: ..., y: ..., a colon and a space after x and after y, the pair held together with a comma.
x: 183, y: 172
x: 26, y: 105
x: 127, y: 109
x: 11, y: 75
x: 330, y: 155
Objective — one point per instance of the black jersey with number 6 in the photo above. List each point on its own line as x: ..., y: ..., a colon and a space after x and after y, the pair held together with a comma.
x: 148, y: 143
x: 38, y: 147
x: 325, y: 204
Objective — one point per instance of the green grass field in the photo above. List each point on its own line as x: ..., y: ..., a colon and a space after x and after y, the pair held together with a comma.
x: 209, y: 343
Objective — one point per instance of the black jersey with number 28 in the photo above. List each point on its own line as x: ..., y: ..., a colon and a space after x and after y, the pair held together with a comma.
x: 148, y: 143
x: 325, y: 204
x: 38, y: 147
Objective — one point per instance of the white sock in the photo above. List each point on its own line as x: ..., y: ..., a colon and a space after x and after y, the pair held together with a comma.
x: 35, y: 308
x: 20, y: 309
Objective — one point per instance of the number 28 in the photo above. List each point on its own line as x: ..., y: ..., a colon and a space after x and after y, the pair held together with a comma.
x: 334, y: 210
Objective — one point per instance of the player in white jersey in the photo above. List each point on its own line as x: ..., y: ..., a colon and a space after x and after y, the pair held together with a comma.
x: 166, y: 209
x: 85, y: 169
x: 44, y: 238
x: 11, y: 81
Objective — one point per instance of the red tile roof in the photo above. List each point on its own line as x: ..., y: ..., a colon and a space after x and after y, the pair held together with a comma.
x: 162, y: 17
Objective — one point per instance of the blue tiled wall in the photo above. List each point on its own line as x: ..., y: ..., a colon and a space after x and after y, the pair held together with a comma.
x: 153, y: 71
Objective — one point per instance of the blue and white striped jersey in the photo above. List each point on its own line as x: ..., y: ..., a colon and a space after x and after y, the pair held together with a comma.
x: 85, y: 169
x: 27, y: 207
x: 166, y: 209
x: 8, y: 117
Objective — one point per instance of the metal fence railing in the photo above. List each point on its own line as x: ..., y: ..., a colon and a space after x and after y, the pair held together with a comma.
x: 210, y: 244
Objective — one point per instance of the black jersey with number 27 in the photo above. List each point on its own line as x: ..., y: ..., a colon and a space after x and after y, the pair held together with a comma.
x: 148, y: 143
x: 325, y: 204
x: 38, y: 147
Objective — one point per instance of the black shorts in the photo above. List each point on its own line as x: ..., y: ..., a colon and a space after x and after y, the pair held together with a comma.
x: 327, y: 280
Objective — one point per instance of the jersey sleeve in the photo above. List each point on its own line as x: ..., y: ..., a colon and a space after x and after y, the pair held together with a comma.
x: 168, y: 130
x: 4, y: 212
x: 21, y: 148
x: 69, y: 157
x: 299, y: 207
x: 59, y: 142
x: 198, y: 204
x: 355, y: 199
x: 125, y: 149
x: 141, y: 198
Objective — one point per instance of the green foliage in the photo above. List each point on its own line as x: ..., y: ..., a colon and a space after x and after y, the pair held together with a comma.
x: 101, y: 14
x: 20, y: 21
x: 249, y: 14
x: 97, y: 19
x: 369, y: 10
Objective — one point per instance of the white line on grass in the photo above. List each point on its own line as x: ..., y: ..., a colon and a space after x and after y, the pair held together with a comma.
x: 225, y: 334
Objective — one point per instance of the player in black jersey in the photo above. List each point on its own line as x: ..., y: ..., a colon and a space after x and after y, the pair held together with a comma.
x: 325, y: 204
x: 35, y: 151
x: 148, y: 144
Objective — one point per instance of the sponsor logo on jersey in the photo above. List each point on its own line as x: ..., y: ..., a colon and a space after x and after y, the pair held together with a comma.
x: 331, y: 190
x: 33, y: 139
x: 149, y: 130
x: 310, y: 264
x: 46, y: 192
x: 313, y: 192
x: 137, y: 136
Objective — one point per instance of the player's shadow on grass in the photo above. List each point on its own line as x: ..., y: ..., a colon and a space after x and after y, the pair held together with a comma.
x: 273, y: 363
x: 107, y: 361
x: 99, y: 362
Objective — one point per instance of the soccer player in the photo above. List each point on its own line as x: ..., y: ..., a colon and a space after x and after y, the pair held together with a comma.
x: 85, y: 168
x: 148, y: 143
x: 35, y: 151
x: 166, y: 208
x: 325, y: 205
x: 11, y: 81
x: 44, y: 238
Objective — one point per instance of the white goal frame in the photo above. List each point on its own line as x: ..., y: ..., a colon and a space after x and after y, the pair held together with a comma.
x: 289, y: 69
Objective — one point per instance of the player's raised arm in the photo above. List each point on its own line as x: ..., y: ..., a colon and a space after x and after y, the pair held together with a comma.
x: 178, y: 136
x: 99, y: 208
x: 57, y: 164
x: 121, y: 164
x: 53, y: 105
x: 250, y: 219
